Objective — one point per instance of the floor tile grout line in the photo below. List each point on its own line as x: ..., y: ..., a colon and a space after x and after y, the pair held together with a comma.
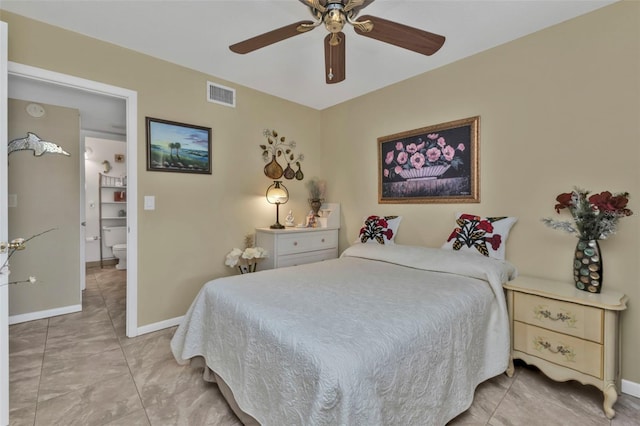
x: 44, y: 351
x: 124, y: 354
x: 511, y: 382
x: 119, y: 344
x: 133, y: 379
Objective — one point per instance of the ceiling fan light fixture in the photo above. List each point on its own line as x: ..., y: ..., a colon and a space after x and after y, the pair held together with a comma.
x: 335, y: 18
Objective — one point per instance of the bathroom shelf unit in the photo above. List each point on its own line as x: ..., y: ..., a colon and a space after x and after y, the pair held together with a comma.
x: 112, y: 206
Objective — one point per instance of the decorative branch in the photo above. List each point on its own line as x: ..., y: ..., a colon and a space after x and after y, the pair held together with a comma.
x: 16, y: 245
x: 31, y: 280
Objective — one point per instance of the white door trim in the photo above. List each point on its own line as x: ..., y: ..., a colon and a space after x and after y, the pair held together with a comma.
x: 131, y: 99
x: 4, y: 290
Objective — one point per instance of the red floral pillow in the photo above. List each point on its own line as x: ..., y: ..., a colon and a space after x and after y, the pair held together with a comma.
x: 379, y: 229
x: 483, y: 235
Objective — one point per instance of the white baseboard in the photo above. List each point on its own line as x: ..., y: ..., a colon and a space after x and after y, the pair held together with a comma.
x: 157, y: 326
x: 32, y: 316
x: 631, y: 388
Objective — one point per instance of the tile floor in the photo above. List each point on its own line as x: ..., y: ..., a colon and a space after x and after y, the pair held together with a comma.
x: 80, y: 369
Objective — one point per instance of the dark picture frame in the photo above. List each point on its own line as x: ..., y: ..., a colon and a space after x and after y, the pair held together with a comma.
x: 433, y: 164
x: 178, y: 147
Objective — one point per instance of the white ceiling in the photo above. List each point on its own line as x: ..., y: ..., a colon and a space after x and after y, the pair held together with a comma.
x: 98, y: 113
x: 196, y: 34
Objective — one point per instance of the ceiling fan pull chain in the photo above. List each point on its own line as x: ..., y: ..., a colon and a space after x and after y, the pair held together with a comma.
x: 330, y: 75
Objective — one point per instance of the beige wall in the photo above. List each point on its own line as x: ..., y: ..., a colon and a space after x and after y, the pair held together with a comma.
x: 47, y: 190
x: 558, y: 108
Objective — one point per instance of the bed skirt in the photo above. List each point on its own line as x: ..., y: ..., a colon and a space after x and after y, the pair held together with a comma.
x: 210, y: 376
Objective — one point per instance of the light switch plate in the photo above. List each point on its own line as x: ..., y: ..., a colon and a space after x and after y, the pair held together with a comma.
x: 149, y: 202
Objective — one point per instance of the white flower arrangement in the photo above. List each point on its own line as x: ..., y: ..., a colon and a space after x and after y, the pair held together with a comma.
x: 246, y: 260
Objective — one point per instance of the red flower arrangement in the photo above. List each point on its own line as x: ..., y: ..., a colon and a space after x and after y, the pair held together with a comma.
x: 595, y: 217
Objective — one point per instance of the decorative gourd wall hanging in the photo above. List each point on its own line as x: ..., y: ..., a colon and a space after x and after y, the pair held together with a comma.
x: 277, y: 148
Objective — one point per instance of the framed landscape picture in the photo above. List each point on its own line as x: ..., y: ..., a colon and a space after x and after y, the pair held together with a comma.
x: 178, y: 147
x: 433, y: 164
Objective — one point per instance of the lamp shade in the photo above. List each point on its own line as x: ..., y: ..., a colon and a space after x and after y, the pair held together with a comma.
x: 277, y: 193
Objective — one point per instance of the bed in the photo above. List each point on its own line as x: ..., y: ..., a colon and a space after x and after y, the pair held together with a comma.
x: 384, y: 335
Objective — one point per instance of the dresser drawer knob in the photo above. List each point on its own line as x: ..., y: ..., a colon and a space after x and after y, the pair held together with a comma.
x: 295, y: 243
x: 323, y: 240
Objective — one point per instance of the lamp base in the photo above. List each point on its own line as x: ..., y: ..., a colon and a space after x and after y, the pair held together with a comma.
x: 276, y: 226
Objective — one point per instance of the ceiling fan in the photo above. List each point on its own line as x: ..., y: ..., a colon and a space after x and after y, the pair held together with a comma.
x: 334, y: 14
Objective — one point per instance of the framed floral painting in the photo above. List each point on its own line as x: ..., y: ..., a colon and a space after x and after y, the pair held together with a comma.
x: 178, y: 147
x: 433, y: 164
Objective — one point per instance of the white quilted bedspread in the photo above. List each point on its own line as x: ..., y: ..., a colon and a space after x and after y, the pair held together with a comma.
x: 385, y: 335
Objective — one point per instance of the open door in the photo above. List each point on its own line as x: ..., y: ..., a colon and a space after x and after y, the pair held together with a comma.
x: 4, y: 279
x: 55, y: 257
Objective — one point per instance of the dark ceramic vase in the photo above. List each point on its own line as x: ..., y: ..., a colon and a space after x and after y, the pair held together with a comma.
x: 315, y: 204
x: 587, y: 266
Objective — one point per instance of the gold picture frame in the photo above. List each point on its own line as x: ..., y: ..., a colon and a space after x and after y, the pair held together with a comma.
x: 433, y: 164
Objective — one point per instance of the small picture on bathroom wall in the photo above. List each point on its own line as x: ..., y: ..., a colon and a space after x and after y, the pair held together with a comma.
x: 119, y: 158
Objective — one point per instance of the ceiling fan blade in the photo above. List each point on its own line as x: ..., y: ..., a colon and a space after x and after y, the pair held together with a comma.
x: 271, y: 37
x: 334, y: 58
x: 401, y: 35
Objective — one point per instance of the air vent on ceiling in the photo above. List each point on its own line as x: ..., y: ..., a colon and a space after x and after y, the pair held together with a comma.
x: 219, y: 94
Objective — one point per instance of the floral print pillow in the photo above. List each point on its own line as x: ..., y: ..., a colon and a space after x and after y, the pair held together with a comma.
x: 483, y: 235
x: 379, y: 229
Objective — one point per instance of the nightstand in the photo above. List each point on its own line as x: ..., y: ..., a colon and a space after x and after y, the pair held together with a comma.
x: 296, y: 246
x: 569, y: 334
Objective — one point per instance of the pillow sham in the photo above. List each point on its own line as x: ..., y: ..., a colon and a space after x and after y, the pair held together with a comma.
x: 379, y: 229
x: 484, y: 235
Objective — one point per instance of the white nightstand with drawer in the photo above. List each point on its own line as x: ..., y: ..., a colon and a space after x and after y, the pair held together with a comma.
x: 569, y: 334
x: 296, y: 246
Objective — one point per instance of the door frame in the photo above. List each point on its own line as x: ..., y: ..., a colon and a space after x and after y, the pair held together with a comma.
x: 131, y: 101
x: 4, y: 233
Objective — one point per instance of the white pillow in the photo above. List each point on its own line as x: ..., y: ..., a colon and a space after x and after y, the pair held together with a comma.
x: 379, y: 229
x: 483, y: 235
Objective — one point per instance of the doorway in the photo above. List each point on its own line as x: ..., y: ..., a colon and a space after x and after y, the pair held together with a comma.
x: 73, y: 84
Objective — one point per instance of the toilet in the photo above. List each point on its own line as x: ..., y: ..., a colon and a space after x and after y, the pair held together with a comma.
x: 115, y: 237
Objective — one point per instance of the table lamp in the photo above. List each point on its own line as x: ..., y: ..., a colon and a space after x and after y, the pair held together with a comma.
x: 277, y: 194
